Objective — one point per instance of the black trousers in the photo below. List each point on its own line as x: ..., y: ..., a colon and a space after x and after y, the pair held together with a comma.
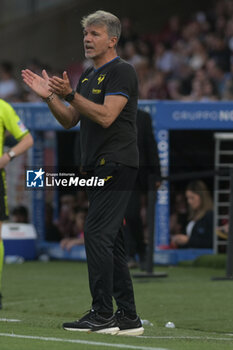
x: 107, y: 265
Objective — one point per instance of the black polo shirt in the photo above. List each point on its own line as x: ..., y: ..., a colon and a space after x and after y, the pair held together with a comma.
x: 117, y: 143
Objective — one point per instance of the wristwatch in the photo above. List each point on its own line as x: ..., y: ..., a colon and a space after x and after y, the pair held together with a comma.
x: 11, y: 154
x: 70, y: 96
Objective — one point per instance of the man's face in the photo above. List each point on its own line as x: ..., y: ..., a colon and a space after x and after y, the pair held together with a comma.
x: 96, y: 41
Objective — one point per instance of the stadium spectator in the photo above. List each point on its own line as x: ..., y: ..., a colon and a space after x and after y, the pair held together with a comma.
x: 171, y: 33
x: 78, y: 238
x: 179, y: 213
x: 209, y: 91
x: 203, y: 90
x: 144, y: 72
x: 82, y: 199
x: 219, y: 51
x: 164, y: 58
x: 228, y: 91
x: 130, y: 54
x: 52, y: 233
x: 198, y: 55
x: 145, y: 49
x: 127, y: 32
x: 19, y: 214
x: 199, y: 230
x: 218, y: 76
x: 10, y: 121
x: 9, y: 89
x: 65, y: 222
x: 155, y: 88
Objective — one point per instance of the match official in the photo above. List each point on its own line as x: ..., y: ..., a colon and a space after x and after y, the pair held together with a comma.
x: 10, y: 121
x: 105, y: 103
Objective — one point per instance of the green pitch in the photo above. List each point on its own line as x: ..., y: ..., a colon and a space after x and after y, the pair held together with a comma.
x: 44, y: 295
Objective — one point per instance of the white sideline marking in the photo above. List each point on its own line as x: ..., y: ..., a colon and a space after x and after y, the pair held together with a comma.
x: 9, y: 320
x: 184, y: 337
x: 122, y: 346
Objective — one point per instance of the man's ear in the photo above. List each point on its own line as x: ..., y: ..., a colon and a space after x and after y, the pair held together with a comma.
x: 113, y: 41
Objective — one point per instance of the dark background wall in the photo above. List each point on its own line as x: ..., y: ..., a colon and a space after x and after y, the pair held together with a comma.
x: 54, y: 35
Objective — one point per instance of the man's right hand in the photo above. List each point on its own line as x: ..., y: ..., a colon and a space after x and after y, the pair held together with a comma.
x: 38, y: 84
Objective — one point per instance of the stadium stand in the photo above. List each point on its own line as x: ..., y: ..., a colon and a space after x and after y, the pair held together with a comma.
x: 187, y: 60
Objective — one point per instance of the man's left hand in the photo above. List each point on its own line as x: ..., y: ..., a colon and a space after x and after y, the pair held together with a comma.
x: 60, y: 86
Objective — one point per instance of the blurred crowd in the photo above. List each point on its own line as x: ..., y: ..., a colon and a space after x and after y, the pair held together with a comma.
x: 68, y: 227
x: 187, y: 60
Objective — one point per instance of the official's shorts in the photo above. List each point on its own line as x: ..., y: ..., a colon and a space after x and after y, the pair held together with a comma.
x: 3, y: 196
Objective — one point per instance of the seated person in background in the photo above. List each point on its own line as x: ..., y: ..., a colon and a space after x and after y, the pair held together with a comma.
x: 52, y: 233
x: 20, y: 214
x: 65, y: 222
x: 199, y: 231
x: 9, y: 89
x: 78, y: 239
x: 179, y: 213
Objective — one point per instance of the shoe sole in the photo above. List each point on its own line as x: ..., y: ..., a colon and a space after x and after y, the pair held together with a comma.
x: 131, y: 332
x: 77, y: 329
x: 112, y: 331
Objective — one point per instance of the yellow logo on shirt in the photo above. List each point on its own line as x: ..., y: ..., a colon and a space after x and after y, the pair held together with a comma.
x: 96, y: 91
x: 101, y: 78
x: 107, y: 178
x: 85, y: 79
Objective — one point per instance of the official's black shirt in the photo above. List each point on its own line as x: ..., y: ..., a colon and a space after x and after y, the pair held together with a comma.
x: 118, y: 142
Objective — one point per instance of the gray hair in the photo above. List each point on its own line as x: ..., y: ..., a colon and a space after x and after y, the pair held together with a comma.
x: 112, y: 23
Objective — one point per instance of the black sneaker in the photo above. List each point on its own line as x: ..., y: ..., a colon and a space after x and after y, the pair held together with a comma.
x: 0, y: 301
x: 93, y: 322
x: 127, y: 325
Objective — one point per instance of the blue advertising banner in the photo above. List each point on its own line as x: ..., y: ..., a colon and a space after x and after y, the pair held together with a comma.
x: 166, y: 115
x: 37, y: 116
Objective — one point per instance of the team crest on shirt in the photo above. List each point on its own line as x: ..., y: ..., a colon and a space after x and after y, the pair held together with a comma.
x: 101, y: 78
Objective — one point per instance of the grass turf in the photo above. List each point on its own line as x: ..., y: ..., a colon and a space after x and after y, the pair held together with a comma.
x: 44, y: 295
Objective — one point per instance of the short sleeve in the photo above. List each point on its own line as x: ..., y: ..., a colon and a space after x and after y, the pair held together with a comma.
x: 12, y: 122
x: 122, y: 81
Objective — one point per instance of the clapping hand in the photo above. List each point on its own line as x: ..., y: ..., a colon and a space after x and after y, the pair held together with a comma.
x: 60, y: 86
x: 39, y: 84
x: 45, y: 86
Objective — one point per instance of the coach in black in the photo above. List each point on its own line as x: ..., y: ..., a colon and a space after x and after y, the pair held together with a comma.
x: 105, y: 103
